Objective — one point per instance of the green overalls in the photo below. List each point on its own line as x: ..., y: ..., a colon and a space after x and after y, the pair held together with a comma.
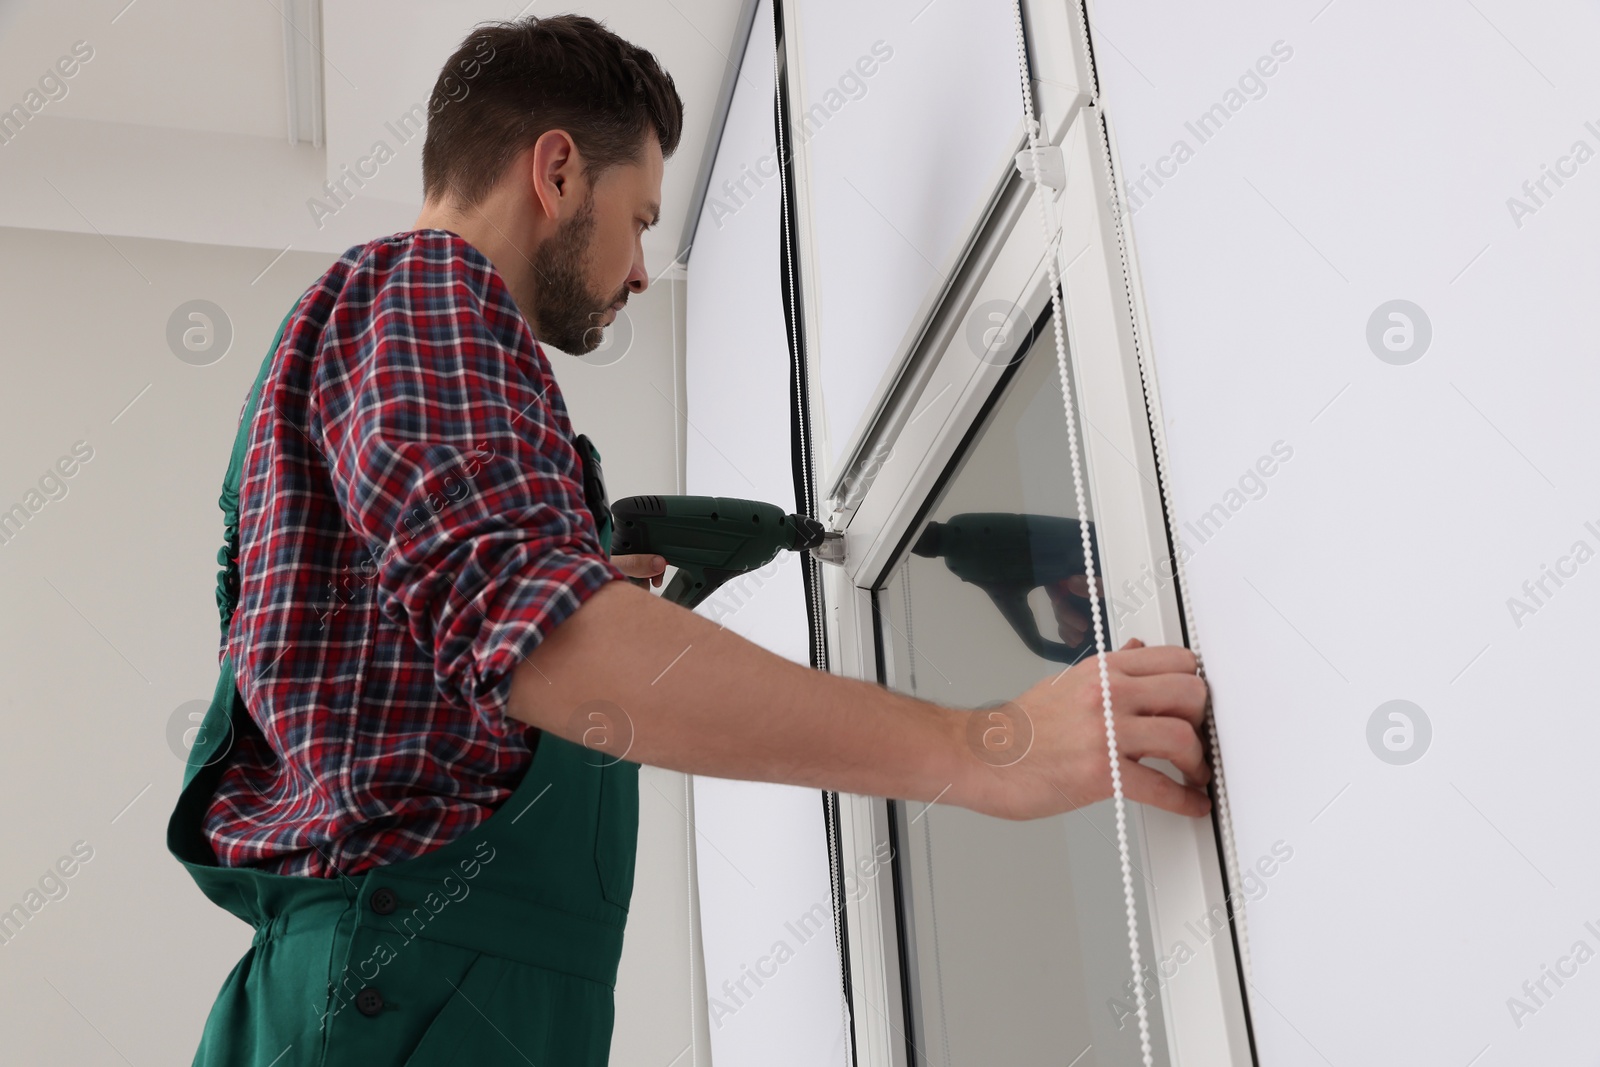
x: 499, y: 947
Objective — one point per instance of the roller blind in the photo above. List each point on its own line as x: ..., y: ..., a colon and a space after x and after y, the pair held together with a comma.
x: 1365, y: 235
x: 907, y: 116
x: 772, y: 971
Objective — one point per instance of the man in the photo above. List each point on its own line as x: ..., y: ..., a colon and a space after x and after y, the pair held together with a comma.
x: 412, y: 780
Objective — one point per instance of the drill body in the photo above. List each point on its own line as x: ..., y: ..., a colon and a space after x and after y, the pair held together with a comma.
x: 710, y: 539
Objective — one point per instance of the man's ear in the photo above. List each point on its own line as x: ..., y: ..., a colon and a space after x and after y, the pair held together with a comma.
x: 556, y: 173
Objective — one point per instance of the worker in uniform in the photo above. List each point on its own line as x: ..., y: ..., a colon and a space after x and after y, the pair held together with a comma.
x: 417, y: 778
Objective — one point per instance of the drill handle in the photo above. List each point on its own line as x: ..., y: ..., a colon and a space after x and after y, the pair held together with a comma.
x: 693, y: 583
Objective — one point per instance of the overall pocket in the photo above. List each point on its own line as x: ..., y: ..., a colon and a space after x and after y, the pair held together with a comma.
x: 461, y: 1016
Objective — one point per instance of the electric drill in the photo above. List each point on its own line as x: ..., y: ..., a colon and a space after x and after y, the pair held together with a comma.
x: 711, y: 539
x: 1008, y: 555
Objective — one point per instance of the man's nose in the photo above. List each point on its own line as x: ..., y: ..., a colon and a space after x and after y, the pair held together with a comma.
x: 638, y: 278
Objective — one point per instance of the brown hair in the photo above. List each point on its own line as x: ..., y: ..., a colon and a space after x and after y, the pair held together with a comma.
x: 511, y: 82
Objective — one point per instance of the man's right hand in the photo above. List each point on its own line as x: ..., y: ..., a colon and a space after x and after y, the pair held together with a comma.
x: 1045, y: 752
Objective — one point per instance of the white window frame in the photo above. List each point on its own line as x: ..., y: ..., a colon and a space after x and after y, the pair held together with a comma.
x: 937, y: 392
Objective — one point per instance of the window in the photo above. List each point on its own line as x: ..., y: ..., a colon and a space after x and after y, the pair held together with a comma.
x: 1013, y: 934
x: 1002, y: 941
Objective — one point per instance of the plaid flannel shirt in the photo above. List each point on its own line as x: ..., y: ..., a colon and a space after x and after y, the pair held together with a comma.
x: 412, y: 525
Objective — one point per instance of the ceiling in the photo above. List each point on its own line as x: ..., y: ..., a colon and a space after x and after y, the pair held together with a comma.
x: 177, y: 125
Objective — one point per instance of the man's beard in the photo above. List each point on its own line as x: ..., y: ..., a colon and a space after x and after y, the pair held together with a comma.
x: 568, y: 315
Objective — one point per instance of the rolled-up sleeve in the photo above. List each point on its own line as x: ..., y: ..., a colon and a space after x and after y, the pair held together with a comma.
x: 450, y: 455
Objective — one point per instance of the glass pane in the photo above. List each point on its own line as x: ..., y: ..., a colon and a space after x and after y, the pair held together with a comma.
x: 1016, y: 937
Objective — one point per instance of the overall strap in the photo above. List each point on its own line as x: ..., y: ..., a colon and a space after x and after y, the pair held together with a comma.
x: 228, y: 554
x: 216, y: 736
x: 594, y: 489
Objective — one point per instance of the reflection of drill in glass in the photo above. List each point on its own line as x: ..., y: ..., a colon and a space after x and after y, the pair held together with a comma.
x: 1008, y: 556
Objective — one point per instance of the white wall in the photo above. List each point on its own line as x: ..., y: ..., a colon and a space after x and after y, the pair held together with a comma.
x: 110, y: 627
x: 184, y: 102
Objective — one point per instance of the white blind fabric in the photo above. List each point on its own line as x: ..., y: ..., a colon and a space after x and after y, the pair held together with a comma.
x: 772, y: 971
x: 909, y: 114
x: 1365, y: 236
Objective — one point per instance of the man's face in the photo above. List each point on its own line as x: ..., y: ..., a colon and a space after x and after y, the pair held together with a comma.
x: 586, y: 271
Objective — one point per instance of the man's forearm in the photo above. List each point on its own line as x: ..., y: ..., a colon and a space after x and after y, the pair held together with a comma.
x: 683, y: 693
